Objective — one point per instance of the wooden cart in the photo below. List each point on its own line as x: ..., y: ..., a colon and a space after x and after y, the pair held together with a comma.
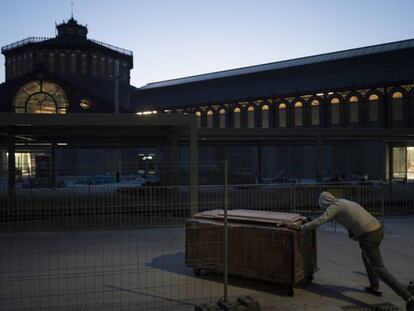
x: 260, y: 247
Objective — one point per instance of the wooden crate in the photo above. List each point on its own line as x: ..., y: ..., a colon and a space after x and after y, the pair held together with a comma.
x: 259, y: 251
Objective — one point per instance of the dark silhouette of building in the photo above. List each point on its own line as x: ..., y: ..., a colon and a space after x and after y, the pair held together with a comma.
x: 347, y: 113
x: 343, y: 115
x: 68, y: 73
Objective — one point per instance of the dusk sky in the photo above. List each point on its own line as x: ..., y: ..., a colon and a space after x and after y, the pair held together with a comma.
x: 172, y: 39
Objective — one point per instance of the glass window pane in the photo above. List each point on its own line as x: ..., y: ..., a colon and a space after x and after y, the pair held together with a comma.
x: 397, y: 106
x: 399, y: 162
x: 373, y: 108
x: 335, y: 111
x: 353, y: 110
x: 236, y: 115
x: 250, y: 117
x: 265, y: 116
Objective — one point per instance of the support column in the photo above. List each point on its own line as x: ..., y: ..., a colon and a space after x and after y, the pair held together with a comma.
x: 390, y: 163
x: 319, y: 158
x: 348, y: 161
x: 11, y: 164
x: 52, y: 168
x: 193, y: 168
x: 175, y: 152
x: 259, y: 163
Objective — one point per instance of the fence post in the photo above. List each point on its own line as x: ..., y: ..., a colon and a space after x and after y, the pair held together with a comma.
x: 193, y: 168
x: 382, y: 205
x: 11, y: 166
x: 226, y: 238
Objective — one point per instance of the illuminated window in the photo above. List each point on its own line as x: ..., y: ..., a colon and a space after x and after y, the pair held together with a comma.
x: 222, y: 118
x: 85, y: 103
x: 73, y: 63
x: 373, y: 108
x: 250, y: 117
x: 51, y: 62
x: 84, y: 64
x: 397, y: 106
x: 198, y: 115
x: 315, y: 112
x: 236, y: 114
x: 40, y: 97
x: 282, y: 115
x: 265, y: 116
x: 334, y: 111
x: 62, y: 63
x: 298, y: 114
x: 353, y: 109
x: 210, y: 119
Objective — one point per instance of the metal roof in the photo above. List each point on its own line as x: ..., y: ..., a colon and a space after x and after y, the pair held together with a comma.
x: 308, y: 60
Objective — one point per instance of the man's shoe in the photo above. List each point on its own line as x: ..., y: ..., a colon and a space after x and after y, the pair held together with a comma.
x: 373, y: 291
x: 410, y: 304
x: 410, y: 287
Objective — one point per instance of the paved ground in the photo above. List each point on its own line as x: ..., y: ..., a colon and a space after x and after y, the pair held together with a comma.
x: 144, y: 270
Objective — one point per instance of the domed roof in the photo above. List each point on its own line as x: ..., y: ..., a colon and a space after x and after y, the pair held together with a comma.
x: 72, y: 29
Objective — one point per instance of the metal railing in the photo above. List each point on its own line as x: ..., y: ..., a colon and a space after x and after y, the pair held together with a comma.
x: 23, y: 42
x: 31, y: 40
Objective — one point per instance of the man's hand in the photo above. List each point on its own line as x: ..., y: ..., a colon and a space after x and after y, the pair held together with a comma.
x: 294, y: 226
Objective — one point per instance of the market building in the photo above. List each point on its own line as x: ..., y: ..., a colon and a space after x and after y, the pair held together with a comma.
x: 344, y: 115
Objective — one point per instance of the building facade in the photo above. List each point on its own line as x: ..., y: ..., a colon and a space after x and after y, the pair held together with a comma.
x: 345, y: 115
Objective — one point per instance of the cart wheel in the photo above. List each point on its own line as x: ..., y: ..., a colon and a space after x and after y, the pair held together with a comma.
x: 197, y: 271
x: 290, y: 291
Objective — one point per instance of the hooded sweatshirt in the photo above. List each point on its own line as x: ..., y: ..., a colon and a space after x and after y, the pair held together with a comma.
x: 347, y: 213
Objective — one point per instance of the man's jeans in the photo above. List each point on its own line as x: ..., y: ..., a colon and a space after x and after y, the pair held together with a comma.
x: 371, y: 255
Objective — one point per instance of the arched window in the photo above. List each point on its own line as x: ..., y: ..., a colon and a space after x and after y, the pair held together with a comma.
x: 52, y: 62
x: 125, y: 70
x: 25, y: 66
x: 250, y: 117
x: 397, y: 106
x: 315, y: 112
x: 8, y: 69
x: 298, y: 114
x: 282, y: 115
x: 198, y: 115
x: 73, y: 63
x: 110, y: 68
x: 40, y: 97
x: 210, y: 116
x: 265, y: 116
x: 353, y: 109
x: 62, y: 63
x: 14, y: 69
x: 222, y: 120
x: 84, y: 64
x: 373, y: 108
x: 94, y: 66
x: 19, y: 65
x: 236, y: 114
x: 30, y: 62
x: 102, y: 67
x: 335, y: 111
